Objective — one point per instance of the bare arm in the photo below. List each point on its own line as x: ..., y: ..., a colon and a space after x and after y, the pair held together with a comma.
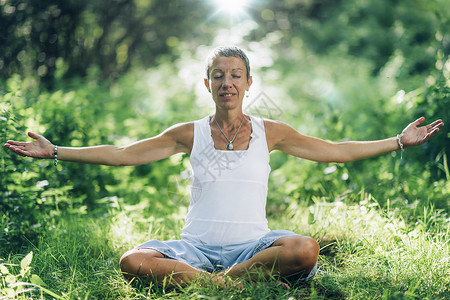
x: 284, y: 138
x: 176, y: 139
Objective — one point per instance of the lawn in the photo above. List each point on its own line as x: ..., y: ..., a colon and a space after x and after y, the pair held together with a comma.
x: 366, y: 253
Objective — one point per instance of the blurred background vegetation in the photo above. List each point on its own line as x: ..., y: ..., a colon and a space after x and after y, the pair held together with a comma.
x: 115, y: 71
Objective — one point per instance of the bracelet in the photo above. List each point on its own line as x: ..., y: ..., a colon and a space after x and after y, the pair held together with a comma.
x: 400, y: 144
x: 55, y: 155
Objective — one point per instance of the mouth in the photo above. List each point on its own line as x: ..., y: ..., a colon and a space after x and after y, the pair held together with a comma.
x: 227, y: 95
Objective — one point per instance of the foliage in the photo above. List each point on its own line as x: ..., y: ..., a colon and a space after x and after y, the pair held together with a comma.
x: 14, y: 286
x: 344, y: 101
x: 86, y: 73
x: 435, y: 102
x: 376, y: 31
x: 54, y: 39
x: 35, y: 193
x: 22, y: 187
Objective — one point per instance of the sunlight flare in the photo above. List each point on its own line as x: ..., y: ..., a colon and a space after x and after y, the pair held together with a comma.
x: 233, y: 8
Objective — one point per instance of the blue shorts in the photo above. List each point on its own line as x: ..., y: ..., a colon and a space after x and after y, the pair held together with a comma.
x: 213, y: 258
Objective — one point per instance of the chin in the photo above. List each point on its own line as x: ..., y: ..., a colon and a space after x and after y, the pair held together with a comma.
x: 229, y: 106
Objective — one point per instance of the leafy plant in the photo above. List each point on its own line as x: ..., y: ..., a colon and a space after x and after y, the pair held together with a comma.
x: 19, y: 192
x: 16, y: 286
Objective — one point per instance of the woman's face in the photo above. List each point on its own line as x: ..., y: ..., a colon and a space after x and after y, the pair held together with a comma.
x: 228, y: 81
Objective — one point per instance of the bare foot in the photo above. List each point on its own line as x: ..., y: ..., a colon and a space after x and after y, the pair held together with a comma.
x: 227, y: 282
x: 284, y: 285
x: 220, y: 280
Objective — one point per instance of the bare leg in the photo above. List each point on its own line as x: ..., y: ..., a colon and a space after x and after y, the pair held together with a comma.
x: 287, y: 256
x: 151, y: 264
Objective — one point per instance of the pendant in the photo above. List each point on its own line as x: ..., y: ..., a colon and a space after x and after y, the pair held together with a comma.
x: 229, y: 146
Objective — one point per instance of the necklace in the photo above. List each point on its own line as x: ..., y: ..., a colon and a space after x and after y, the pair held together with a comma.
x: 230, y: 142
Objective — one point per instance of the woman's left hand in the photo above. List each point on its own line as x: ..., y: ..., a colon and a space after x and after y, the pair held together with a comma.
x: 413, y: 135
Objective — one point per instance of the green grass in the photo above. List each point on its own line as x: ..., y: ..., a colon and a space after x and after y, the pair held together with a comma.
x: 366, y: 254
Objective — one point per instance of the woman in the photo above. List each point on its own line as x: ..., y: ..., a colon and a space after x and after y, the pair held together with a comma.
x: 226, y: 228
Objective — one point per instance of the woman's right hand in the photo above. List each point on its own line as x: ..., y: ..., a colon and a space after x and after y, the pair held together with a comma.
x: 176, y: 139
x: 39, y: 148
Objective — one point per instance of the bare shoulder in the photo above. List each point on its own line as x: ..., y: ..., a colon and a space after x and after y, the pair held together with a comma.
x: 277, y: 132
x: 182, y: 134
x: 181, y: 128
x: 274, y: 124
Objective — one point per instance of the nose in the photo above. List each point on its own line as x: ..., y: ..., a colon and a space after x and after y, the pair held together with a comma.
x: 226, y: 82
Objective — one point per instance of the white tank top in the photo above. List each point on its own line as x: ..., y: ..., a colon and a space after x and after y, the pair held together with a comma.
x: 228, y: 189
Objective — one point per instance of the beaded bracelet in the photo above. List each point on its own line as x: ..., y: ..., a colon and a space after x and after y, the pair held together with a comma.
x: 400, y: 144
x: 55, y: 155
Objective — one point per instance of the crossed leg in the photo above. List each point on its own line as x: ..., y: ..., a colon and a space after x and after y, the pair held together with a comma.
x: 287, y: 256
x: 151, y: 264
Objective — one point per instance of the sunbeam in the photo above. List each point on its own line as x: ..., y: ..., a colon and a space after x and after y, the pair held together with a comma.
x: 235, y: 9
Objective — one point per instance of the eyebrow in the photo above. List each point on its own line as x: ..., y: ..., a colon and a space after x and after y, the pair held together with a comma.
x: 220, y: 70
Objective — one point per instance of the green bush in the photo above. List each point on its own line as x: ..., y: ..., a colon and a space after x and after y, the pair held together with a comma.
x: 22, y: 187
x: 34, y: 192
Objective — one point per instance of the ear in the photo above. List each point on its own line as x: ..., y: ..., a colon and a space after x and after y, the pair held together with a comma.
x: 249, y: 83
x: 207, y: 85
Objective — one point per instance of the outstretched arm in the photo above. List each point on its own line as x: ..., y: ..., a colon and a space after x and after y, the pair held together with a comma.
x: 284, y: 138
x: 176, y: 139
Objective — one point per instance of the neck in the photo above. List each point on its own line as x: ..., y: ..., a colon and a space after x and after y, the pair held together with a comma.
x: 229, y: 118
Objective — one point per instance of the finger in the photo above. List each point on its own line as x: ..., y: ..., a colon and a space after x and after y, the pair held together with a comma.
x: 437, y: 126
x: 16, y: 146
x: 33, y: 135
x: 435, y: 123
x: 431, y: 133
x: 19, y: 151
x: 16, y: 143
x: 418, y: 121
x: 440, y: 124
